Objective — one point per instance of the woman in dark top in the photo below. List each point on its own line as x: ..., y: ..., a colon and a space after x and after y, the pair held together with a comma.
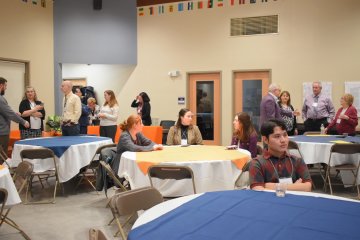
x: 245, y: 136
x: 288, y: 114
x: 142, y: 103
x: 31, y: 110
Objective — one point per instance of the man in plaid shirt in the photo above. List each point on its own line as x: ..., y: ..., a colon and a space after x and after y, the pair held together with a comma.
x: 276, y: 164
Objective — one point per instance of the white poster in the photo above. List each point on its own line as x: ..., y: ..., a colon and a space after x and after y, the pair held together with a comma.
x: 326, y: 89
x: 354, y: 89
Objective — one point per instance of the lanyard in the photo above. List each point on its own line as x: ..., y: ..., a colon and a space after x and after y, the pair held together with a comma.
x: 292, y: 168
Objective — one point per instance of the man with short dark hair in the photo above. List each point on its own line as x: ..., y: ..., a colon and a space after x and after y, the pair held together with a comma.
x: 6, y: 116
x: 276, y: 165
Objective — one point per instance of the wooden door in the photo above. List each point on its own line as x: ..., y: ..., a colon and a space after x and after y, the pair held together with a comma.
x: 204, y: 102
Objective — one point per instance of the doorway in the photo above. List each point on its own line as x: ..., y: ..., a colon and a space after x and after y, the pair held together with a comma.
x: 204, y: 102
x: 249, y: 89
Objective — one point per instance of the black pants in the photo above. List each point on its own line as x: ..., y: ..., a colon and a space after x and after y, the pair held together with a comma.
x: 108, y: 131
x: 72, y: 130
x: 315, y: 124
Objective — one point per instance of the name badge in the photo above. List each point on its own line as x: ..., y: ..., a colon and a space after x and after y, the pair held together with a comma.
x: 338, y: 120
x: 285, y: 180
x: 315, y: 104
x: 183, y: 142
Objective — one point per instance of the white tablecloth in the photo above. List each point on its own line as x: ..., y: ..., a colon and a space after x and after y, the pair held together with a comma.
x: 7, y: 183
x: 69, y: 164
x: 212, y: 175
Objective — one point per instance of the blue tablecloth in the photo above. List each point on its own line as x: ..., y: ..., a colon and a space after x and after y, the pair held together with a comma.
x: 60, y: 144
x: 246, y: 214
x: 325, y: 139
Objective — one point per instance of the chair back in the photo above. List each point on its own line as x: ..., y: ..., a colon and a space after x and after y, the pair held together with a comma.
x: 154, y: 133
x: 99, y: 149
x: 3, y: 156
x: 112, y: 175
x: 118, y: 134
x: 259, y: 150
x: 348, y: 148
x: 23, y: 171
x: 294, y: 146
x: 311, y: 133
x: 39, y: 153
x: 167, y: 124
x: 243, y: 180
x: 93, y: 130
x: 138, y: 199
x: 171, y: 172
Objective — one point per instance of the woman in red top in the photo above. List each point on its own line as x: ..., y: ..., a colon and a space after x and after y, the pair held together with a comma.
x: 346, y: 118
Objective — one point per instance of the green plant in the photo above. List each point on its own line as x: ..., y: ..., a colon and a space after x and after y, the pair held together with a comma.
x: 53, y: 123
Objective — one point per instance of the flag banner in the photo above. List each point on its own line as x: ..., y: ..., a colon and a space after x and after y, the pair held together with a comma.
x: 151, y: 10
x: 180, y: 7
x: 171, y: 8
x: 241, y: 1
x: 34, y: 2
x: 141, y: 11
x: 200, y: 5
x: 24, y: 1
x: 232, y: 2
x: 190, y: 6
x: 43, y: 3
x: 161, y: 9
x: 252, y: 1
x: 220, y: 3
x: 210, y: 3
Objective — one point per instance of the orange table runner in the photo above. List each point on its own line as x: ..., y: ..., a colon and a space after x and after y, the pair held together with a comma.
x: 189, y: 154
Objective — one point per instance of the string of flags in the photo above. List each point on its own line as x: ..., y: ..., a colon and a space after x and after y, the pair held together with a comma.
x: 193, y: 5
x: 42, y: 3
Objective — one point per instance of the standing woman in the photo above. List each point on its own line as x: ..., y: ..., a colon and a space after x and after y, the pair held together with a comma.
x: 184, y: 131
x: 142, y: 103
x: 346, y: 118
x: 31, y: 110
x: 288, y: 114
x: 108, y: 115
x: 245, y: 136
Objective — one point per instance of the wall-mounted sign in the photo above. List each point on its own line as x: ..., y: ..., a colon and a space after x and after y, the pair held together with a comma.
x: 181, y: 100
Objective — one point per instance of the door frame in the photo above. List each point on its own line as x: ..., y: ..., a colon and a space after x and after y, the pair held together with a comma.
x: 191, y: 104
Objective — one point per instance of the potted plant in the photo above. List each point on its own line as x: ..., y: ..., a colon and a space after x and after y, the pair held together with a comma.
x: 53, y: 125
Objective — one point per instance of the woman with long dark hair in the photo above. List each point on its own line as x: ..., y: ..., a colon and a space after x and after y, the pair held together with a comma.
x: 142, y: 104
x: 245, y: 136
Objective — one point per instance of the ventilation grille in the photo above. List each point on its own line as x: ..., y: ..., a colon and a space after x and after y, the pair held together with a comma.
x: 254, y: 25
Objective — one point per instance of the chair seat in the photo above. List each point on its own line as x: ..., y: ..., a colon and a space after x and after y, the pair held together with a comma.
x: 345, y: 167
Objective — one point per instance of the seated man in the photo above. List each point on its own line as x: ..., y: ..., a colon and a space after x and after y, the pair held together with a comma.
x: 276, y: 164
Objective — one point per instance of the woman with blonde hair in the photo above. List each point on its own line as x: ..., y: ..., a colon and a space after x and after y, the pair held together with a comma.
x: 31, y: 110
x: 346, y: 118
x: 108, y: 115
x: 245, y: 136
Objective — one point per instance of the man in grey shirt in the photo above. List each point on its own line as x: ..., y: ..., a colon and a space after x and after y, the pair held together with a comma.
x: 6, y: 116
x: 317, y: 109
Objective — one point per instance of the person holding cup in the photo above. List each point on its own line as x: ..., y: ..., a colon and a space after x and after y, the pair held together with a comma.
x: 276, y: 165
x: 31, y: 110
x: 184, y: 132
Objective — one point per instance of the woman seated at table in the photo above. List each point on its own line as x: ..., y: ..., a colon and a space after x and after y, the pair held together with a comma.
x: 346, y: 118
x: 131, y: 139
x: 184, y: 132
x: 245, y: 136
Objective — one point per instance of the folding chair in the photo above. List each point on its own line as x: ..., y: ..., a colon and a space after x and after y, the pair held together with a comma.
x: 259, y: 150
x: 96, y: 234
x: 4, y: 215
x: 129, y: 202
x: 41, y: 153
x: 3, y: 157
x: 113, y: 176
x: 243, y: 182
x: 166, y: 125
x: 90, y: 170
x: 353, y: 168
x: 23, y: 174
x: 171, y: 172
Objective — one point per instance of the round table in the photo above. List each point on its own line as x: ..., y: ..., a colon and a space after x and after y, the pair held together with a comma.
x: 7, y: 183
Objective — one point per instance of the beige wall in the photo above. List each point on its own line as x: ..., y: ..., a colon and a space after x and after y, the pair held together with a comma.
x: 27, y: 34
x: 317, y: 40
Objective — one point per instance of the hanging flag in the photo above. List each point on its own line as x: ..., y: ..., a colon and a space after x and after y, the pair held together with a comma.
x: 141, y: 11
x: 34, y: 2
x: 43, y: 3
x: 180, y: 7
x: 200, y: 5
x: 24, y: 1
x: 220, y: 3
x: 252, y: 1
x: 264, y: 0
x: 241, y: 1
x: 171, y: 8
x: 161, y: 9
x: 210, y: 3
x: 190, y: 6
x: 232, y: 2
x: 151, y: 10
